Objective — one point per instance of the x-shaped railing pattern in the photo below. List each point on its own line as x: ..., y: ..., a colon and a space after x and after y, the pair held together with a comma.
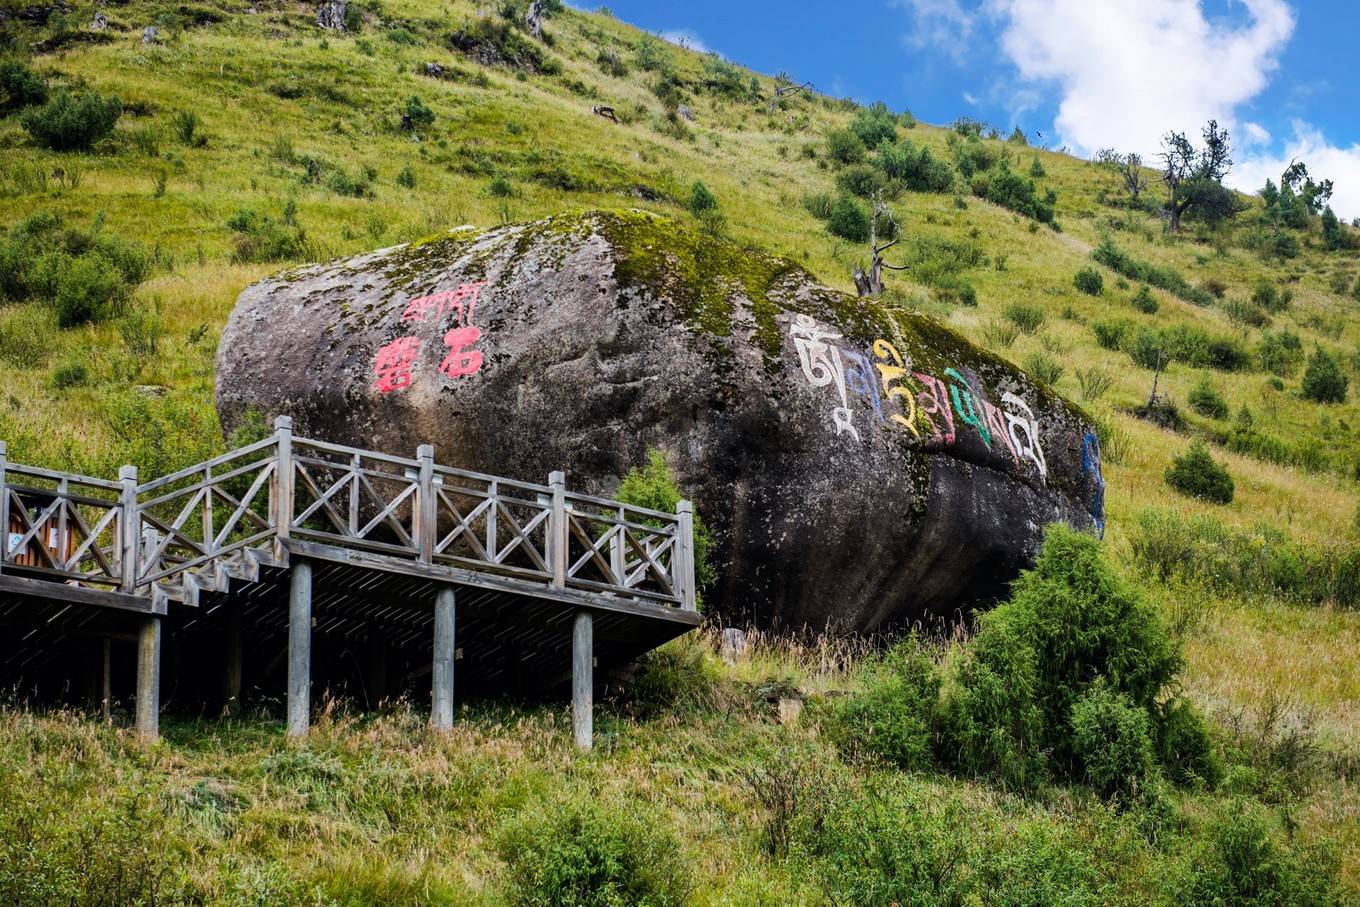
x: 133, y: 537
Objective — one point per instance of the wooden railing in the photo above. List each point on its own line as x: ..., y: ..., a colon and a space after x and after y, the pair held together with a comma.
x: 78, y: 529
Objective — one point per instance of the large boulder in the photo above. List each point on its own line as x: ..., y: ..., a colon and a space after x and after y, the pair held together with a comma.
x: 859, y: 465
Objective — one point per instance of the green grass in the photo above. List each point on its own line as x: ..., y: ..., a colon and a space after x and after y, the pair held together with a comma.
x: 272, y: 93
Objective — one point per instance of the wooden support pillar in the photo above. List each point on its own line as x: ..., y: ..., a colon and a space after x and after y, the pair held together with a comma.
x: 106, y: 681
x: 558, y: 536
x: 232, y: 677
x: 149, y: 679
x: 583, y: 680
x: 441, y: 693
x: 299, y: 647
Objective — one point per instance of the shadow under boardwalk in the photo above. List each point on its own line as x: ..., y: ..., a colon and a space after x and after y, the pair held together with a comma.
x: 293, y: 566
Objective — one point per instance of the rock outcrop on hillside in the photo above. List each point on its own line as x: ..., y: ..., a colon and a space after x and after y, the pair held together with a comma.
x: 860, y: 466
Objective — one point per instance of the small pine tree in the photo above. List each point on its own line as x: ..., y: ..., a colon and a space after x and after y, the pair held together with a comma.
x: 1196, y: 474
x: 1323, y: 380
x: 1089, y: 281
x: 701, y: 200
x: 1207, y: 401
x: 1144, y: 301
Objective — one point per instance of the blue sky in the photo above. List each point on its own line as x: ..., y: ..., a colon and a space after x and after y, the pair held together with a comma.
x: 1087, y: 74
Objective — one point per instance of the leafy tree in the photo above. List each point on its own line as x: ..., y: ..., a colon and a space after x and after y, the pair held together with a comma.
x: 1194, y: 177
x: 917, y: 169
x: 1207, y: 401
x: 1324, y: 380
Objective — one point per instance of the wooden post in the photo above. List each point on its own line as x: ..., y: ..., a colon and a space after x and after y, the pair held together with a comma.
x: 299, y: 647
x: 427, y: 509
x: 106, y: 682
x: 441, y: 694
x: 558, y: 535
x: 129, y: 525
x: 583, y: 679
x: 231, y: 688
x: 684, y: 563
x: 149, y: 679
x: 282, y: 486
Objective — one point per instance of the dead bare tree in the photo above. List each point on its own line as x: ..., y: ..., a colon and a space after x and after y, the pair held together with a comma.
x: 870, y: 283
x: 784, y: 87
x: 604, y: 110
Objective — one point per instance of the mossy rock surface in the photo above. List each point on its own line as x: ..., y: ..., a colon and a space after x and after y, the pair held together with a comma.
x: 861, y: 465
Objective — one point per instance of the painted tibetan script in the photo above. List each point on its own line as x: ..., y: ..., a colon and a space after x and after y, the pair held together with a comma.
x: 932, y: 408
x: 395, y: 364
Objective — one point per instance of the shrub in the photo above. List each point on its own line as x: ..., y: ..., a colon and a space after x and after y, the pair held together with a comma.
x: 892, y: 721
x: 1110, y: 255
x: 653, y: 486
x: 261, y: 238
x: 1207, y: 401
x: 1111, y: 741
x: 1280, y: 354
x: 1089, y: 281
x: 1243, y: 862
x: 1196, y: 474
x: 1111, y: 335
x: 406, y: 178
x: 845, y: 147
x: 72, y: 121
x: 1011, y: 190
x: 587, y: 854
x: 1044, y: 368
x: 1000, y: 334
x: 1070, y: 622
x: 1144, y: 301
x: 917, y: 169
x: 20, y: 86
x: 1094, y: 383
x: 860, y: 179
x: 701, y: 200
x: 1323, y: 379
x: 186, y: 125
x: 819, y: 205
x: 89, y: 289
x: 875, y: 125
x: 70, y: 374
x: 1030, y: 319
x: 1184, y: 746
x: 849, y: 220
x: 417, y: 113
x: 501, y: 187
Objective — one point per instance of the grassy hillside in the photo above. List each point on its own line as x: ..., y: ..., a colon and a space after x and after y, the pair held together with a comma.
x: 250, y: 138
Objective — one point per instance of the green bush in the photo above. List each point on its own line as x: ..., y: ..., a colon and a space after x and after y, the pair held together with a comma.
x: 917, y: 169
x: 86, y: 276
x: 1044, y: 368
x: 1280, y: 353
x: 1070, y: 622
x: 845, y: 147
x: 1270, y: 298
x: 1184, y: 746
x: 1111, y: 335
x: 20, y: 86
x: 1010, y: 190
x: 860, y: 179
x: 892, y: 720
x: 1089, y: 281
x: 1110, y: 255
x: 1111, y: 741
x: 849, y: 220
x: 70, y: 374
x: 186, y: 125
x: 1207, y: 401
x: 1144, y: 301
x: 89, y: 289
x: 653, y: 486
x: 406, y: 178
x: 592, y: 854
x: 1323, y: 379
x: 72, y: 121
x: 1196, y: 474
x: 1243, y: 862
x: 701, y: 199
x: 418, y: 113
x: 1030, y: 319
x: 260, y: 238
x: 875, y: 125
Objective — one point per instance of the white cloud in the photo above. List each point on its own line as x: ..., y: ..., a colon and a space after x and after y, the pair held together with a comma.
x: 1130, y: 72
x: 969, y: 98
x: 1324, y: 160
x: 1253, y: 135
x: 940, y: 25
x: 685, y: 38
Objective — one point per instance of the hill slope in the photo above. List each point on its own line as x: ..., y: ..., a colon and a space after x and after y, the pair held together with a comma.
x: 296, y: 150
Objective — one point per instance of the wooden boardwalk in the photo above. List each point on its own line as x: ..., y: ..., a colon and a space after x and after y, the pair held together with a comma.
x: 290, y: 556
